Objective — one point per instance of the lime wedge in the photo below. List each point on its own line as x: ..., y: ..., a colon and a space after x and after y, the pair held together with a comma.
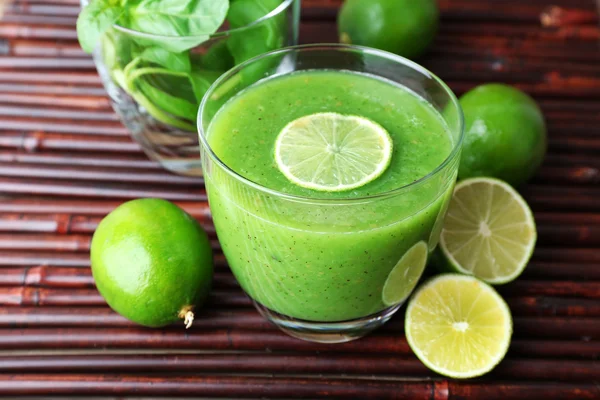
x: 489, y: 231
x: 404, y: 276
x: 458, y: 326
x: 332, y: 152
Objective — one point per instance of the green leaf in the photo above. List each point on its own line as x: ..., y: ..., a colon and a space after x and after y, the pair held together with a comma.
x: 117, y: 49
x: 263, y: 37
x: 188, y: 23
x: 94, y: 20
x: 201, y: 81
x: 167, y: 102
x: 216, y: 58
x: 173, y: 61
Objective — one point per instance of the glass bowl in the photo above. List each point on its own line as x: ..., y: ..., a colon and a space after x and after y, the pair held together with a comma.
x: 156, y: 82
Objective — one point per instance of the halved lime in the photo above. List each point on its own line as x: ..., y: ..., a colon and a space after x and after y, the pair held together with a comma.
x: 489, y: 231
x: 404, y: 276
x: 458, y: 326
x: 332, y: 152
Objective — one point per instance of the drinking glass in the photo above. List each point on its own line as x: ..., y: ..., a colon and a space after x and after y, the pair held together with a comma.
x: 296, y: 257
x: 158, y: 104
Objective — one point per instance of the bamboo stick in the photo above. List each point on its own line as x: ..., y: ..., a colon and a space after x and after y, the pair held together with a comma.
x: 522, y: 391
x: 240, y: 387
x: 585, y: 236
x: 50, y: 297
x: 86, y: 209
x: 46, y: 188
x: 44, y: 89
x: 43, y: 8
x: 576, y: 175
x: 139, y: 162
x: 33, y: 19
x: 76, y: 127
x: 61, y: 224
x: 567, y: 255
x: 572, y: 160
x: 583, y: 349
x: 38, y: 63
x: 554, y: 16
x: 559, y: 288
x: 386, y: 340
x: 39, y: 141
x: 84, y: 78
x: 77, y: 277
x: 18, y: 31
x: 562, y: 271
x: 56, y: 113
x: 27, y: 296
x: 29, y: 48
x: 522, y: 369
x: 545, y: 198
x: 250, y: 321
x: 245, y: 387
x: 93, y: 174
x: 26, y: 258
x: 88, y: 102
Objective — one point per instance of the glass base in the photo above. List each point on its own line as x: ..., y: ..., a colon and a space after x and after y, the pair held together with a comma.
x: 327, y: 332
x: 188, y: 167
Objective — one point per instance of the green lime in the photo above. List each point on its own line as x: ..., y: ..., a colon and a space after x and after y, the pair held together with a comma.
x: 404, y: 276
x: 404, y: 27
x: 505, y: 134
x: 489, y: 231
x: 458, y: 326
x: 332, y: 152
x: 152, y: 262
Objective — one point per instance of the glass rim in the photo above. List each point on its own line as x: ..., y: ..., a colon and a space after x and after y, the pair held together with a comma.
x: 273, y: 13
x: 335, y: 47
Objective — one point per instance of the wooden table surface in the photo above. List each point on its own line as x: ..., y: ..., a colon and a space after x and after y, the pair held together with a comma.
x: 66, y: 161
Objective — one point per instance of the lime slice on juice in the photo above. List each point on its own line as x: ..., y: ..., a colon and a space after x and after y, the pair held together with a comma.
x: 404, y: 276
x: 458, y: 326
x: 489, y: 231
x: 332, y: 152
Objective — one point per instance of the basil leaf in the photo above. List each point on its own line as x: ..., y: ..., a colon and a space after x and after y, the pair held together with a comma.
x: 94, y: 20
x: 172, y: 61
x: 265, y: 36
x: 167, y: 102
x: 201, y: 81
x: 177, y: 85
x: 216, y: 58
x: 187, y: 23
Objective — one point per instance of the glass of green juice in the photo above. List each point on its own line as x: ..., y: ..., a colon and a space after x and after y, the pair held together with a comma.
x: 328, y: 265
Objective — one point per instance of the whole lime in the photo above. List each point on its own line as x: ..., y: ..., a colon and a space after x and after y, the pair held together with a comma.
x: 505, y: 134
x: 404, y: 27
x: 152, y: 262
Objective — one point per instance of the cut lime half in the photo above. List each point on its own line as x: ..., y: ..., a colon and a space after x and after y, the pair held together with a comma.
x: 404, y: 276
x: 332, y: 152
x: 458, y: 326
x: 489, y: 231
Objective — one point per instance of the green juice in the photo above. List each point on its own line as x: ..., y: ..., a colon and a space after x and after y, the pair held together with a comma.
x: 323, y: 256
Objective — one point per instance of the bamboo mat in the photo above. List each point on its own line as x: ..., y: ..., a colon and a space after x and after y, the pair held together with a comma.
x: 66, y: 161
